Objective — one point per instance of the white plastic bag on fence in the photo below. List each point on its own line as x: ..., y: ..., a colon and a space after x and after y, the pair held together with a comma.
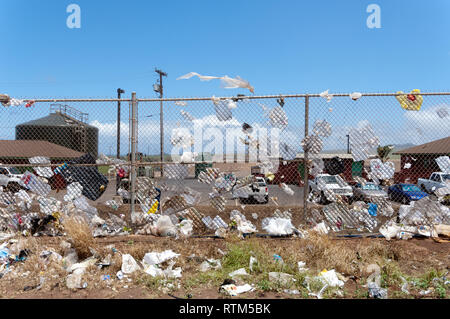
x: 42, y: 171
x: 164, y: 227
x: 382, y: 170
x: 30, y: 181
x: 23, y: 200
x: 444, y: 164
x: 278, y: 226
x: 74, y: 190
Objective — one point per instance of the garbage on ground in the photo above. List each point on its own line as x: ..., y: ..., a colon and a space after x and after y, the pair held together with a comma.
x: 377, y: 292
x: 233, y: 290
x: 239, y: 272
x: 330, y: 277
x: 286, y: 189
x: 210, y: 264
x: 129, y: 264
x: 301, y: 266
x: 277, y: 226
x: 253, y: 261
x: 281, y: 278
x: 291, y: 291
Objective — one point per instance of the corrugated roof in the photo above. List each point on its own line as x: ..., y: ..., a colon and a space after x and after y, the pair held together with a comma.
x: 440, y: 147
x: 54, y: 119
x: 31, y: 148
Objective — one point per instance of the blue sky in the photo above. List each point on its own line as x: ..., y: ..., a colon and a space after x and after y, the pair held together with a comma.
x: 279, y: 46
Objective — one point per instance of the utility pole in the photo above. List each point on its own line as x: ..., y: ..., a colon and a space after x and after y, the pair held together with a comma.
x: 159, y: 89
x: 348, y: 144
x: 119, y: 91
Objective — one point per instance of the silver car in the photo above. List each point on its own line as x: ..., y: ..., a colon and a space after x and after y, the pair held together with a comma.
x: 364, y: 193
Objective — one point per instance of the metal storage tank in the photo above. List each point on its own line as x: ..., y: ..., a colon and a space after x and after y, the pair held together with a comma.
x: 64, y: 126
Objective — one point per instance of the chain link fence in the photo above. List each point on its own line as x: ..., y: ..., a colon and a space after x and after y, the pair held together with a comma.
x: 338, y: 162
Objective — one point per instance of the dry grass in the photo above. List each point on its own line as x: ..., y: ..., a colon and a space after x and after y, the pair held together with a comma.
x: 80, y: 236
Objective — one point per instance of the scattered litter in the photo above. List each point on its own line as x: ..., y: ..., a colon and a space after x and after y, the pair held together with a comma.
x: 233, y: 290
x: 281, y: 278
x: 376, y: 292
x: 239, y: 272
x: 355, y: 96
x: 326, y: 95
x: 253, y: 261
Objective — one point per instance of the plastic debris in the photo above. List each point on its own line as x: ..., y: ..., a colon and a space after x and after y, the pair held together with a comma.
x: 382, y: 170
x: 210, y: 264
x: 278, y: 118
x: 312, y: 144
x: 227, y: 82
x: 30, y: 181
x: 444, y: 164
x: 233, y: 290
x: 239, y: 272
x: 129, y: 264
x: 410, y: 102
x: 278, y: 226
x: 376, y: 291
x: 223, y: 113
x: 326, y: 95
x: 355, y: 96
x: 42, y: 171
x: 442, y: 112
x: 330, y: 277
x: 187, y: 115
x: 281, y: 278
x: 322, y: 128
x: 362, y: 140
x: 286, y: 189
x: 253, y: 261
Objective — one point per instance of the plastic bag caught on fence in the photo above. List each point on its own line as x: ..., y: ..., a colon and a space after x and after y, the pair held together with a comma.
x: 187, y: 116
x: 362, y: 140
x: 31, y: 182
x: 322, y: 128
x: 444, y: 164
x: 382, y: 170
x: 42, y: 171
x: 277, y: 118
x: 287, y: 152
x: 312, y: 144
x: 223, y: 112
x: 74, y: 190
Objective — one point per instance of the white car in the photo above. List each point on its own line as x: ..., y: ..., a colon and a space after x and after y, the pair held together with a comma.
x: 333, y: 183
x: 437, y: 180
x: 256, y: 191
x: 10, y: 178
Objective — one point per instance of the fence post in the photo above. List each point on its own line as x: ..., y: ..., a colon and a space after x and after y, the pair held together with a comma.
x: 305, y: 163
x: 133, y: 151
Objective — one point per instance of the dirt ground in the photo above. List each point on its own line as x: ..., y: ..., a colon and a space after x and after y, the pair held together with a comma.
x: 422, y: 262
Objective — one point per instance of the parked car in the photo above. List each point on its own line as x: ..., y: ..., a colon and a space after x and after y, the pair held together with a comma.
x: 11, y: 176
x: 405, y: 193
x: 331, y: 182
x: 437, y: 180
x: 368, y: 190
x: 247, y: 193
